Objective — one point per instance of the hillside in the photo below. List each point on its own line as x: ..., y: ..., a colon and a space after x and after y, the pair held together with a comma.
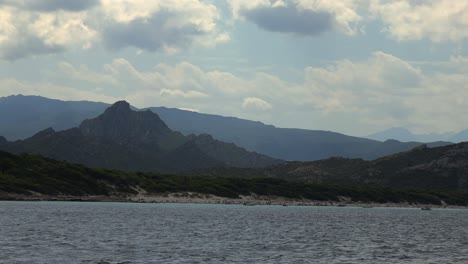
x: 124, y: 139
x: 34, y: 177
x: 437, y: 168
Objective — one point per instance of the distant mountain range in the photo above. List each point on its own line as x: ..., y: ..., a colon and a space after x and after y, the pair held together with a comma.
x: 404, y: 135
x: 23, y: 116
x: 29, y: 114
x: 121, y: 138
x: 443, y: 167
x: 282, y: 143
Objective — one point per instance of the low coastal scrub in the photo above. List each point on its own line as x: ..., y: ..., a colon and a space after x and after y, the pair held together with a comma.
x: 23, y: 174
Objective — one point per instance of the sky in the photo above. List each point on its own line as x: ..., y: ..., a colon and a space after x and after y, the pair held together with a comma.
x: 351, y: 66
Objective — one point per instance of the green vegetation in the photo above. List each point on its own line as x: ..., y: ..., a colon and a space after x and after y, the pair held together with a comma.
x: 21, y: 174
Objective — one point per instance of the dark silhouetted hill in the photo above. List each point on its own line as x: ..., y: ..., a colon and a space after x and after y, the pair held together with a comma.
x: 121, y: 138
x: 443, y: 167
x: 32, y: 177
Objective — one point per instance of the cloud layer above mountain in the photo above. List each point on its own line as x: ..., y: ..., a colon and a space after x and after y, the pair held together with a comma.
x: 382, y: 91
x: 354, y: 66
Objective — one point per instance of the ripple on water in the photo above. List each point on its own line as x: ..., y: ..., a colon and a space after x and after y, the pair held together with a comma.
x: 67, y: 232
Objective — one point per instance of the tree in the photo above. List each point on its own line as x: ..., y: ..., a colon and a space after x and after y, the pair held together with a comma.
x: 6, y: 165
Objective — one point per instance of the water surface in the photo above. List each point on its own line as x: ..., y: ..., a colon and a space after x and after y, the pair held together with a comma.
x: 74, y: 232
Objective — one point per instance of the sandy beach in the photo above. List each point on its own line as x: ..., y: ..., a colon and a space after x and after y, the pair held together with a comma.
x: 197, y: 198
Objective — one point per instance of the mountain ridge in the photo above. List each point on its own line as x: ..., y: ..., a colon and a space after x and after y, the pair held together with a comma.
x: 283, y: 143
x: 280, y: 143
x: 405, y: 135
x: 121, y: 138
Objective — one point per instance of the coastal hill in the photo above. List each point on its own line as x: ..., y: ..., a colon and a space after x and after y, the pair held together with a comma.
x: 32, y: 177
x: 29, y: 114
x: 121, y: 138
x: 443, y: 167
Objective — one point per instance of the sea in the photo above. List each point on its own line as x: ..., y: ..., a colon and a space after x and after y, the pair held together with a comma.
x: 95, y: 232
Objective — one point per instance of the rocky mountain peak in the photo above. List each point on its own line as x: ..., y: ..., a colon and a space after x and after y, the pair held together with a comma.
x: 121, y: 124
x: 119, y: 108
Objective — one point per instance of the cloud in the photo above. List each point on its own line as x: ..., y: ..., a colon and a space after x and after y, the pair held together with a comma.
x: 25, y: 33
x: 403, y: 20
x: 83, y: 73
x: 54, y: 5
x: 161, y: 25
x: 356, y: 97
x: 26, y: 46
x: 377, y: 87
x: 182, y: 85
x: 386, y: 91
x: 289, y: 20
x: 29, y: 28
x: 435, y: 20
x: 301, y: 17
x: 256, y: 104
x: 11, y: 86
x: 182, y: 94
x: 151, y: 34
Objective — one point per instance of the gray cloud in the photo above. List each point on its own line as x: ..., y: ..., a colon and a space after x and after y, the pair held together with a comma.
x: 290, y: 20
x: 168, y: 27
x: 150, y: 34
x: 52, y: 5
x: 26, y: 46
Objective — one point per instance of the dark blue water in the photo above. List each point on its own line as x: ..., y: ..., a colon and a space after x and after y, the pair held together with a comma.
x: 68, y: 232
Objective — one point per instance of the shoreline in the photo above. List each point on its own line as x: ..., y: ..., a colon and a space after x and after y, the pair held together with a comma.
x: 197, y: 198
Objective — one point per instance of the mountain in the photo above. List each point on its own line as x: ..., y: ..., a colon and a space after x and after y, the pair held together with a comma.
x: 404, y: 135
x: 460, y: 136
x: 29, y: 114
x: 282, y: 143
x: 443, y: 167
x: 396, y: 133
x: 121, y: 138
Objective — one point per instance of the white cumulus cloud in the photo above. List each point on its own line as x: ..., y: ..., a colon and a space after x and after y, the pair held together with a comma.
x: 436, y: 20
x: 256, y: 104
x: 29, y: 28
